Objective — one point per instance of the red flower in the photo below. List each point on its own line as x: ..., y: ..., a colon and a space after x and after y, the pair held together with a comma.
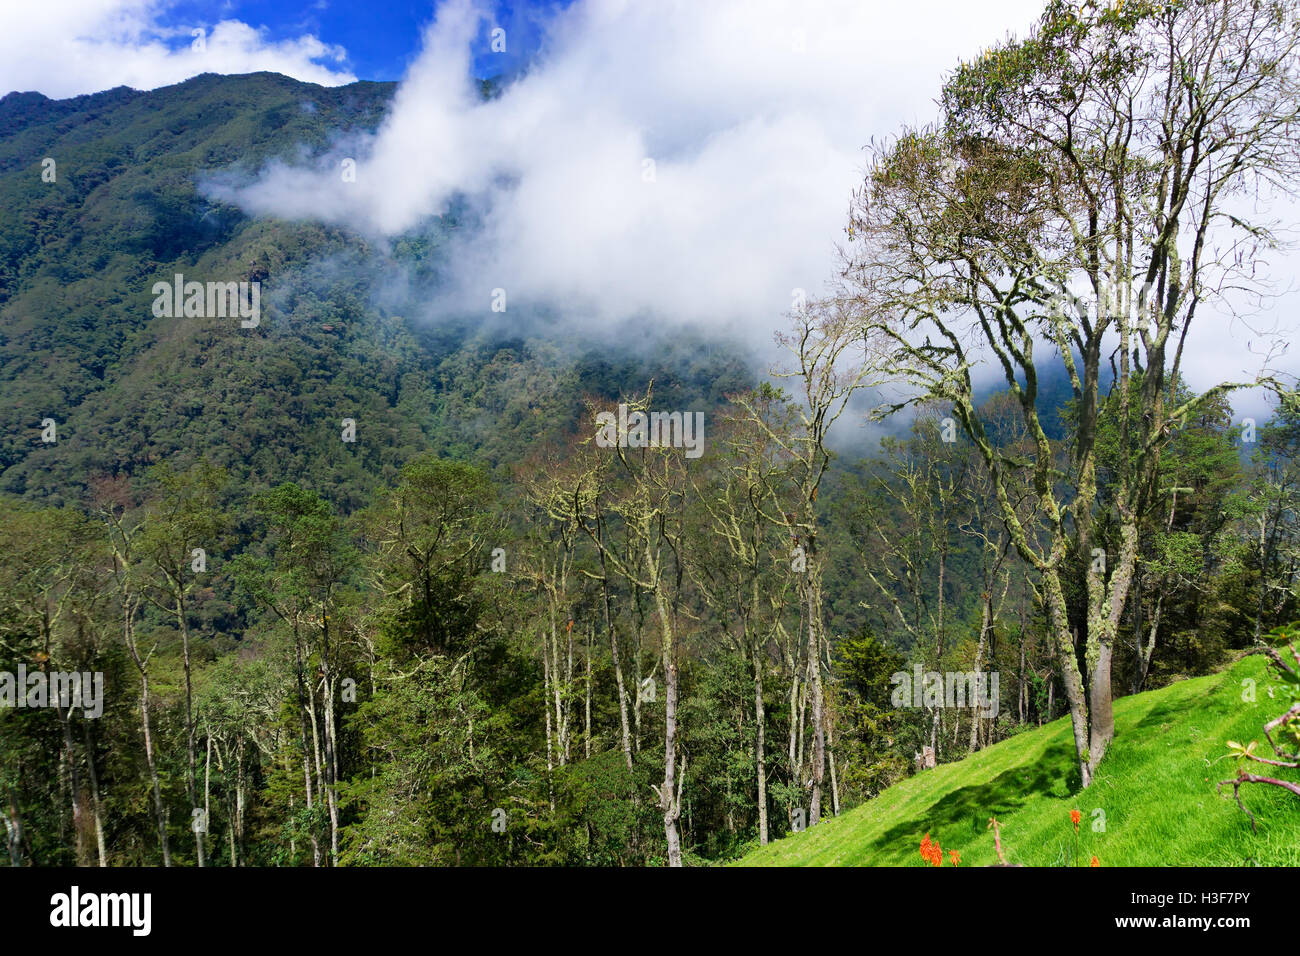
x: 925, y: 847
x: 936, y: 855
x: 956, y: 857
x: 1075, y: 816
x: 1095, y: 862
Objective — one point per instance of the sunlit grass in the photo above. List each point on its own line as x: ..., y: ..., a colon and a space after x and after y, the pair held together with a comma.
x: 1156, y: 788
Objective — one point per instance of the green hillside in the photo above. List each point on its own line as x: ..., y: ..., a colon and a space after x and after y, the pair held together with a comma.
x: 342, y: 332
x: 1156, y: 788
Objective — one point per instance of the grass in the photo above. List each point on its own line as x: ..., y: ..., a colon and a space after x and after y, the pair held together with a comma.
x: 1156, y: 789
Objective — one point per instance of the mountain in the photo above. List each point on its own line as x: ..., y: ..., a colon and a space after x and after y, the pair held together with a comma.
x: 84, y: 239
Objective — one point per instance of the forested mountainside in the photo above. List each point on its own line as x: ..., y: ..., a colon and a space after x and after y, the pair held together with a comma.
x: 361, y: 588
x: 80, y: 344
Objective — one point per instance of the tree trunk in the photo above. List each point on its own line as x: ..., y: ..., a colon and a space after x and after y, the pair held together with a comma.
x: 14, y: 828
x: 586, y: 731
x: 129, y: 608
x: 331, y: 748
x: 159, y: 811
x: 759, y: 758
x: 818, y: 703
x: 985, y: 614
x: 1068, y: 665
x: 670, y: 795
x: 550, y: 730
x: 303, y: 708
x: 1107, y: 610
x: 96, y: 805
x: 618, y: 667
x: 191, y: 781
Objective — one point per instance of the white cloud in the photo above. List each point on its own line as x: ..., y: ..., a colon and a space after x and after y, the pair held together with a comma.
x: 70, y: 47
x: 754, y: 112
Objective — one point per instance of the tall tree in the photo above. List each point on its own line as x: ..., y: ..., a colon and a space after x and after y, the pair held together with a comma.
x: 1106, y: 148
x: 181, y: 526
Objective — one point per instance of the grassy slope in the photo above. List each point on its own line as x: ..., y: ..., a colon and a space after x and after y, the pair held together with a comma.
x: 1155, y: 786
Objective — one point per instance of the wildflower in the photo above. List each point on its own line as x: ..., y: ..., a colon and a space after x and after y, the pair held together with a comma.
x: 956, y: 857
x: 925, y: 847
x: 936, y: 855
x: 1095, y: 862
x: 1075, y: 816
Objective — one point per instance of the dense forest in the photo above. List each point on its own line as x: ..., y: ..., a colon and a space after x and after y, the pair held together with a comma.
x: 366, y: 589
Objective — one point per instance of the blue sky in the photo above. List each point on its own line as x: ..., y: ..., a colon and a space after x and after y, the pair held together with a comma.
x: 381, y: 36
x: 70, y: 47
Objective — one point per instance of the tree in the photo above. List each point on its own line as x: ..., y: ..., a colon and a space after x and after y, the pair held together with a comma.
x: 740, y: 566
x: 1274, y: 515
x: 827, y: 368
x: 648, y: 505
x: 1105, y: 148
x: 45, y: 563
x: 122, y: 530
x: 300, y: 584
x: 180, y: 527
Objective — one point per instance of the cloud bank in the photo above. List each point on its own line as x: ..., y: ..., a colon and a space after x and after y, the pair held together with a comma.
x: 72, y: 47
x: 690, y: 161
x: 676, y: 161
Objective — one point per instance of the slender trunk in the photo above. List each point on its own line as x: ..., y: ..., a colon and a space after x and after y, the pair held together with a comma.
x: 207, y: 787
x: 14, y: 831
x: 230, y: 837
x: 159, y: 811
x: 1147, y: 649
x: 1020, y: 683
x: 68, y: 761
x: 306, y: 745
x: 550, y: 732
x: 1137, y: 632
x: 586, y: 731
x: 318, y: 764
x: 331, y: 748
x: 96, y: 805
x: 554, y: 651
x: 238, y: 826
x: 759, y: 758
x: 830, y: 755
x: 670, y: 794
x: 191, y: 781
x: 568, y: 691
x: 636, y: 675
x: 129, y: 608
x: 68, y: 765
x: 618, y: 666
x: 818, y: 701
x: 802, y: 722
x: 985, y: 615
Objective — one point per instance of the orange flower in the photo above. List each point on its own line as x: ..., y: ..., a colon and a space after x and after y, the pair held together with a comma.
x: 936, y: 855
x: 1095, y: 862
x: 1075, y: 816
x: 956, y: 857
x: 925, y: 847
